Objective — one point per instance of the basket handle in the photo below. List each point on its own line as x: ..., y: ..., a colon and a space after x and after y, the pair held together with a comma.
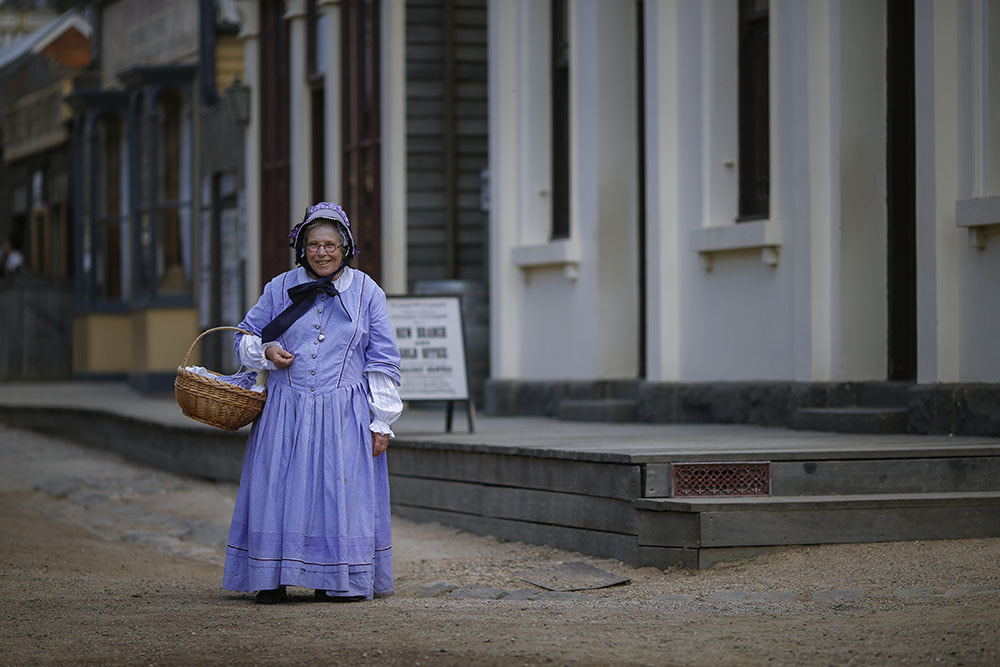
x: 208, y: 331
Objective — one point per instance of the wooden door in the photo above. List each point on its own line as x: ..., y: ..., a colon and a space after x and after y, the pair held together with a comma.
x: 362, y: 187
x: 275, y: 159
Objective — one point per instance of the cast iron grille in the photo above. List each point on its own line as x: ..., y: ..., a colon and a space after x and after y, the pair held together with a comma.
x: 720, y: 479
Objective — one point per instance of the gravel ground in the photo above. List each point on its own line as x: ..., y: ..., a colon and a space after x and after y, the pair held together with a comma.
x: 108, y: 562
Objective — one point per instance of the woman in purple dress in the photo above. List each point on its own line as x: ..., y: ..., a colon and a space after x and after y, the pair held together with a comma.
x: 313, y: 502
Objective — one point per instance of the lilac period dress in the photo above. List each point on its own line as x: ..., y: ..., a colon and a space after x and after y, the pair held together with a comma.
x: 313, y: 503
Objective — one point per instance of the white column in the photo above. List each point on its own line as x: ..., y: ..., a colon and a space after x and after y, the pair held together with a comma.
x: 824, y: 194
x: 863, y: 191
x: 603, y: 166
x: 300, y: 126
x: 249, y: 11
x: 937, y: 139
x: 664, y: 168
x: 504, y: 100
x: 393, y: 130
x: 332, y: 96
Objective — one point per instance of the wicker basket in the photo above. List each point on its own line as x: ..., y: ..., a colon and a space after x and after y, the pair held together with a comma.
x: 212, y: 401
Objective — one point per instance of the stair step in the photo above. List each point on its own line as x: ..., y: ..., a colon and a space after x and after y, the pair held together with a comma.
x: 854, y: 419
x: 598, y: 410
x: 940, y: 474
x: 785, y: 503
x: 883, y: 394
x: 671, y: 530
x: 925, y: 472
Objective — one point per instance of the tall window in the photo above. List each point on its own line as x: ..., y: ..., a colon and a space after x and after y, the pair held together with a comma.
x: 362, y: 185
x: 144, y: 261
x: 754, y: 111
x: 173, y: 206
x: 560, y: 119
x: 275, y: 147
x: 316, y: 48
x: 110, y: 214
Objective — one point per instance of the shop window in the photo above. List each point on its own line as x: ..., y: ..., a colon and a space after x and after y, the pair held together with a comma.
x: 48, y: 231
x: 172, y: 202
x: 111, y: 211
x: 144, y: 265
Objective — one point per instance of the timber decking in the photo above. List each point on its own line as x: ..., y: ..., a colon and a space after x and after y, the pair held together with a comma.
x: 611, y: 497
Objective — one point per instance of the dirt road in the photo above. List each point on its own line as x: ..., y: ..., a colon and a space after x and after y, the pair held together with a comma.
x: 107, y: 562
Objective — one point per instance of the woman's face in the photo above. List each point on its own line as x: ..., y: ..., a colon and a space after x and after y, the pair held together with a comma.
x: 324, y: 249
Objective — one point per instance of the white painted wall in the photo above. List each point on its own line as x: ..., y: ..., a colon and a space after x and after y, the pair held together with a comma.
x: 566, y: 309
x: 735, y: 310
x: 979, y: 176
x: 801, y: 296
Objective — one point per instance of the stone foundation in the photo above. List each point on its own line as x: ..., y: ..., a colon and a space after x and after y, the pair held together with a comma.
x: 960, y: 409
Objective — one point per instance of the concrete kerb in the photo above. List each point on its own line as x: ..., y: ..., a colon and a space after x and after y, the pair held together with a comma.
x: 195, y: 451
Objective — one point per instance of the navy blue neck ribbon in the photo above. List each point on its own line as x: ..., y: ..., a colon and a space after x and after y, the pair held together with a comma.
x: 302, y: 297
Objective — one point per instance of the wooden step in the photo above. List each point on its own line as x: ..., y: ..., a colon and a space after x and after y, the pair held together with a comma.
x: 697, y: 532
x: 930, y: 473
x: 854, y: 419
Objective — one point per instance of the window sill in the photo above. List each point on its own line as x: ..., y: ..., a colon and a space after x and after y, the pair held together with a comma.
x: 764, y: 235
x: 979, y: 216
x: 563, y: 253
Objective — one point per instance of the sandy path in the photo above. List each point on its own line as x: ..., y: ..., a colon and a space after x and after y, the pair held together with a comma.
x: 97, y: 568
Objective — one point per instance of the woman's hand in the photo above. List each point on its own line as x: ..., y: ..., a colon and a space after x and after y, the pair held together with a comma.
x: 380, y: 442
x: 280, y: 358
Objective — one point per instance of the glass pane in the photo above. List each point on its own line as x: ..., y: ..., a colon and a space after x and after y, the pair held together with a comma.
x: 108, y: 260
x: 174, y: 226
x: 144, y: 264
x: 86, y: 248
x: 123, y: 229
x: 109, y: 153
x: 319, y: 66
x: 124, y: 219
x: 171, y: 274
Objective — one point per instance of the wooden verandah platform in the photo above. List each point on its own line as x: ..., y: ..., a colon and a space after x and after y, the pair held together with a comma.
x: 628, y: 491
x: 693, y: 494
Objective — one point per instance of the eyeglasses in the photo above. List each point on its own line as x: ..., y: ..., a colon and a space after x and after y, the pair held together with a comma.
x: 330, y: 247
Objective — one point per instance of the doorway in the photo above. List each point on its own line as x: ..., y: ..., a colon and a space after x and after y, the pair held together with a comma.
x: 901, y: 193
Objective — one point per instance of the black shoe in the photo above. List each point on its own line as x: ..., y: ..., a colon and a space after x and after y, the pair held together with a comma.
x: 321, y: 596
x: 271, y: 596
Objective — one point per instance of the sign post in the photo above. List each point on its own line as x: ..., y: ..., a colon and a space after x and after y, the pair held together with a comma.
x: 431, y: 340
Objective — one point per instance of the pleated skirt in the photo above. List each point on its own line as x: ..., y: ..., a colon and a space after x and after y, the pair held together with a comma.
x: 313, y: 504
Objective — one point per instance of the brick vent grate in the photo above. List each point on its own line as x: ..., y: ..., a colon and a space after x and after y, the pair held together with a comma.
x: 720, y: 479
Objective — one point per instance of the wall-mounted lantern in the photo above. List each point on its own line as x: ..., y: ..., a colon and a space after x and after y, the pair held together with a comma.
x: 238, y: 99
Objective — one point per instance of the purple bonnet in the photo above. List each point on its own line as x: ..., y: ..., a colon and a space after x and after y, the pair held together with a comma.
x: 328, y: 212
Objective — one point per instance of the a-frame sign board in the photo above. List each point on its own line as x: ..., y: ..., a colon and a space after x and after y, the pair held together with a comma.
x: 431, y: 340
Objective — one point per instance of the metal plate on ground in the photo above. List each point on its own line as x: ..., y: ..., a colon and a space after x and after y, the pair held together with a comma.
x: 571, y: 577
